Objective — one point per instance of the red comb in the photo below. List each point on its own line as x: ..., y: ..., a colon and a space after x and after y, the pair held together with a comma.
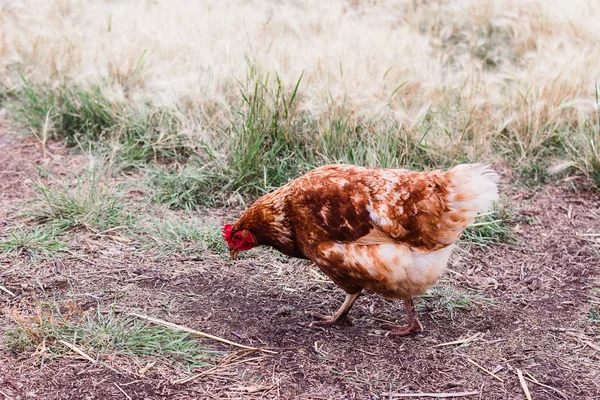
x: 227, y: 232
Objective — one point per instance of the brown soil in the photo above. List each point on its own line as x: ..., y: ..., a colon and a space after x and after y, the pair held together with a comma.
x: 538, y: 322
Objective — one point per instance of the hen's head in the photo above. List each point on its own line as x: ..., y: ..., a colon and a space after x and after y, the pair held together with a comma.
x: 238, y: 241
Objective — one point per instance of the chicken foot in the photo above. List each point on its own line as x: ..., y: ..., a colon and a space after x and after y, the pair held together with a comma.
x: 413, y: 321
x: 339, y: 316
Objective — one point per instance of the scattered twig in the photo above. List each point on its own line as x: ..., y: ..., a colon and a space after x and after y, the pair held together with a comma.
x: 460, y: 341
x: 146, y: 368
x: 319, y: 349
x: 576, y: 334
x: 592, y: 345
x: 109, y: 230
x: 524, y: 384
x: 485, y: 370
x: 214, y: 369
x: 78, y: 351
x: 367, y: 352
x: 580, y: 336
x: 1, y: 392
x: 119, y: 239
x: 434, y: 395
x: 252, y: 388
x: 559, y: 329
x: 143, y: 277
x: 531, y: 379
x: 78, y: 257
x: 199, y: 333
x: 191, y: 378
x: 122, y: 391
x: 7, y: 291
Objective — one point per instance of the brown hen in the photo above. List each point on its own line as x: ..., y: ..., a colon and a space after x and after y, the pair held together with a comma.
x: 390, y: 231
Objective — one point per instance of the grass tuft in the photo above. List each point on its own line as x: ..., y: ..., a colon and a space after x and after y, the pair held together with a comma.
x: 188, y: 187
x: 447, y: 299
x: 171, y: 235
x: 100, y: 334
x: 91, y: 118
x: 491, y: 228
x: 33, y: 242
x: 152, y: 134
x: 583, y: 146
x: 273, y: 141
x: 80, y: 115
x: 267, y: 148
x: 90, y: 202
x: 594, y: 312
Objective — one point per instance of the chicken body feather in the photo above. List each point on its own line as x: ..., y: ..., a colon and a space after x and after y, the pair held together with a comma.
x: 386, y: 230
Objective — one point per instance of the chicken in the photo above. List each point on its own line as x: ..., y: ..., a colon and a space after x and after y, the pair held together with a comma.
x: 390, y: 231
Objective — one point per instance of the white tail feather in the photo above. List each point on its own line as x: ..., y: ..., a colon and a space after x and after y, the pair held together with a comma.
x: 474, y: 187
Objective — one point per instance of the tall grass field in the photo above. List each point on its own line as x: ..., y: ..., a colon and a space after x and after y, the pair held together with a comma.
x: 218, y: 99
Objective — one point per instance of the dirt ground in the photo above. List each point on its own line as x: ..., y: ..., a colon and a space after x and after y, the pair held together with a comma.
x: 538, y: 321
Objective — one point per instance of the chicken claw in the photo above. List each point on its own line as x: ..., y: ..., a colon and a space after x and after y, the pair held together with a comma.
x: 325, y: 321
x: 413, y: 322
x: 340, y: 316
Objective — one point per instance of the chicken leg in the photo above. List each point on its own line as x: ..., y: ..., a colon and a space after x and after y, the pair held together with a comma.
x: 339, y: 316
x: 413, y: 321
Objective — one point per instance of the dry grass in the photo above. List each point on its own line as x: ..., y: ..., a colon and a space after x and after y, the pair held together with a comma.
x: 347, y: 50
x: 463, y: 79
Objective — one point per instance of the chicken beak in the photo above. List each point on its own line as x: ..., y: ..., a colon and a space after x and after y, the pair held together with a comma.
x: 233, y: 253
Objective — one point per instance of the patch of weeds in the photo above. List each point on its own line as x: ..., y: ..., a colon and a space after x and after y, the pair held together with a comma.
x: 87, y: 116
x: 533, y: 175
x: 212, y: 236
x: 269, y: 141
x: 33, y: 242
x: 583, y: 146
x: 535, y: 136
x: 447, y: 299
x: 91, y: 202
x: 150, y: 135
x: 593, y: 240
x: 594, y: 315
x: 594, y: 312
x: 491, y: 228
x: 100, y: 334
x: 272, y: 141
x: 191, y: 235
x: 187, y: 188
x: 3, y: 94
x: 78, y: 114
x: 266, y: 148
